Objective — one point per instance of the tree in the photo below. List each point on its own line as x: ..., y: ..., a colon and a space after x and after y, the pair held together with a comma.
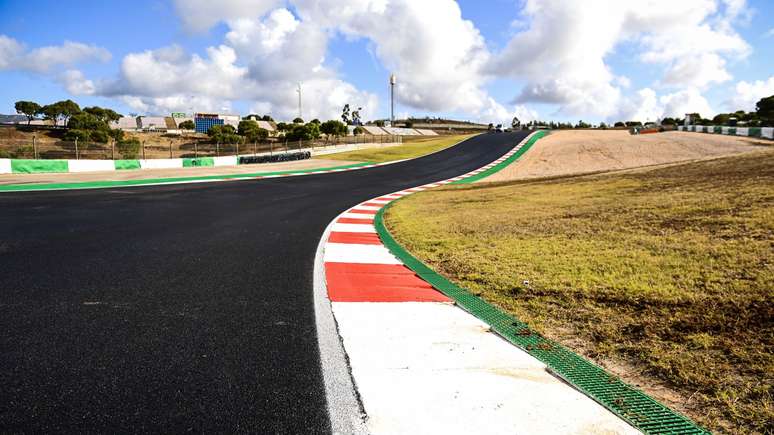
x: 515, y: 123
x: 298, y: 121
x: 106, y: 115
x: 251, y: 131
x: 356, y: 117
x: 603, y: 126
x: 490, y: 126
x: 345, y: 114
x: 30, y: 109
x: 764, y: 108
x: 358, y: 131
x: 668, y: 121
x: 308, y: 131
x: 50, y: 112
x: 67, y: 108
x: 315, y: 121
x: 333, y: 128
x: 187, y: 125
x: 379, y: 123
x: 61, y: 110
x: 86, y: 121
x: 267, y: 118
x: 224, y: 134
x: 283, y: 126
x: 619, y: 124
x: 409, y: 124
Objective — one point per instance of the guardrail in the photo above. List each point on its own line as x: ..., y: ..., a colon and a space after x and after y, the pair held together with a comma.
x: 759, y: 132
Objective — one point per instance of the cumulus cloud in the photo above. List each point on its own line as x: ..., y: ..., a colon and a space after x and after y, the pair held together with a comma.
x: 746, y: 94
x: 199, y: 15
x: 436, y: 54
x: 562, y: 51
x: 15, y: 56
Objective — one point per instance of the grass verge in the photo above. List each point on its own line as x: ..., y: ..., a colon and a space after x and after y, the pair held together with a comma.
x: 412, y: 147
x: 666, y: 277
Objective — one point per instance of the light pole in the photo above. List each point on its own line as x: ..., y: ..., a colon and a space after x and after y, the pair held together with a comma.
x: 393, y: 81
x: 300, y: 114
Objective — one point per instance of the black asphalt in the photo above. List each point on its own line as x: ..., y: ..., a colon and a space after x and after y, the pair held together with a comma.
x: 178, y: 308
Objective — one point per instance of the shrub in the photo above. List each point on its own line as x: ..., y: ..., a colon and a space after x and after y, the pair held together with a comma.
x: 130, y: 148
x: 76, y: 134
x: 100, y: 136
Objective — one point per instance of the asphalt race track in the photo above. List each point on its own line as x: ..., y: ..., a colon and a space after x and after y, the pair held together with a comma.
x: 179, y: 308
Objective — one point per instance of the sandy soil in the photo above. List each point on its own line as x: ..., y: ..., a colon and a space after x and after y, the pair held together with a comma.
x: 577, y: 152
x: 168, y: 173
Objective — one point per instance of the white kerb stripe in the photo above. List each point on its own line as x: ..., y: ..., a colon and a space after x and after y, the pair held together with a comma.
x: 90, y: 165
x: 5, y: 166
x: 365, y: 208
x: 357, y: 216
x: 361, y: 254
x: 353, y: 228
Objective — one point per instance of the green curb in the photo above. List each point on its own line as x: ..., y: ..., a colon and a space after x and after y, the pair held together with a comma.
x: 25, y: 166
x: 201, y: 161
x: 122, y: 165
x: 505, y: 163
x: 128, y: 183
x: 625, y: 401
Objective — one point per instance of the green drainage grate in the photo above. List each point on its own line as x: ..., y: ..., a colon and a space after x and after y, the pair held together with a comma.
x: 627, y: 402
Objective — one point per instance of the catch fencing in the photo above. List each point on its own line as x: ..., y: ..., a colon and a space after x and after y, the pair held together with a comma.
x: 45, y: 148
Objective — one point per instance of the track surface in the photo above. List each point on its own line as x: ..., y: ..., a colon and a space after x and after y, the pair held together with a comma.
x: 176, y: 308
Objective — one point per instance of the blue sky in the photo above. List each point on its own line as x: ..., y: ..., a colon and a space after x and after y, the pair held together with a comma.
x: 604, y: 60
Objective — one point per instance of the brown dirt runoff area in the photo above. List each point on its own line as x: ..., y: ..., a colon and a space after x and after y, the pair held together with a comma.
x: 579, y: 152
x: 141, y: 174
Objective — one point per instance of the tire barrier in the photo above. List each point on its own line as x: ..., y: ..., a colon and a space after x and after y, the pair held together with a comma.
x: 275, y: 158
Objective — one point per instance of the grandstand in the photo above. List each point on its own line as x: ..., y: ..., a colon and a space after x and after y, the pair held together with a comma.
x: 401, y: 131
x: 154, y: 123
x: 126, y: 123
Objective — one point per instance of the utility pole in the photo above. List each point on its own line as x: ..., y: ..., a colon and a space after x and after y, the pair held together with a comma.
x: 393, y: 81
x: 300, y: 113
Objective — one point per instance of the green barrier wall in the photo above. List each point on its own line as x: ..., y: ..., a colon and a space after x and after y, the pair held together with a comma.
x: 24, y: 166
x: 754, y: 132
x: 200, y: 161
x: 127, y: 164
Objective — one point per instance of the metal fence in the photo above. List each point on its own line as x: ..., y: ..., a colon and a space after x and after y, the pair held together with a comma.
x: 35, y: 148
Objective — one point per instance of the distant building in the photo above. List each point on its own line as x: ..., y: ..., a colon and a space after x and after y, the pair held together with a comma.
x: 205, y: 121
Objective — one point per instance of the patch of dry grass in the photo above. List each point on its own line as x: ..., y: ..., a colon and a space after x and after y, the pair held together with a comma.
x: 412, y: 147
x: 669, y: 271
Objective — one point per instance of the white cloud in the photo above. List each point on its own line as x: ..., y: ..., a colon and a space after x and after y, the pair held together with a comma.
x: 199, y: 15
x: 15, y: 56
x: 76, y: 83
x: 685, y: 101
x: 435, y: 53
x: 748, y: 93
x: 770, y: 33
x: 562, y: 52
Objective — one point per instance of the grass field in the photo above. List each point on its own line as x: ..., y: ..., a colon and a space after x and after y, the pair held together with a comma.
x: 664, y: 276
x: 412, y: 147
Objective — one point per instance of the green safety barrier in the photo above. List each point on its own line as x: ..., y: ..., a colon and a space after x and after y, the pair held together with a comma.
x: 622, y: 399
x: 122, y: 165
x: 717, y: 129
x: 754, y: 132
x: 732, y: 131
x: 29, y: 166
x: 198, y: 161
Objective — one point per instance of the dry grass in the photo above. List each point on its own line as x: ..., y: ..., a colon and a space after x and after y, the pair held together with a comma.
x: 412, y: 147
x: 669, y: 272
